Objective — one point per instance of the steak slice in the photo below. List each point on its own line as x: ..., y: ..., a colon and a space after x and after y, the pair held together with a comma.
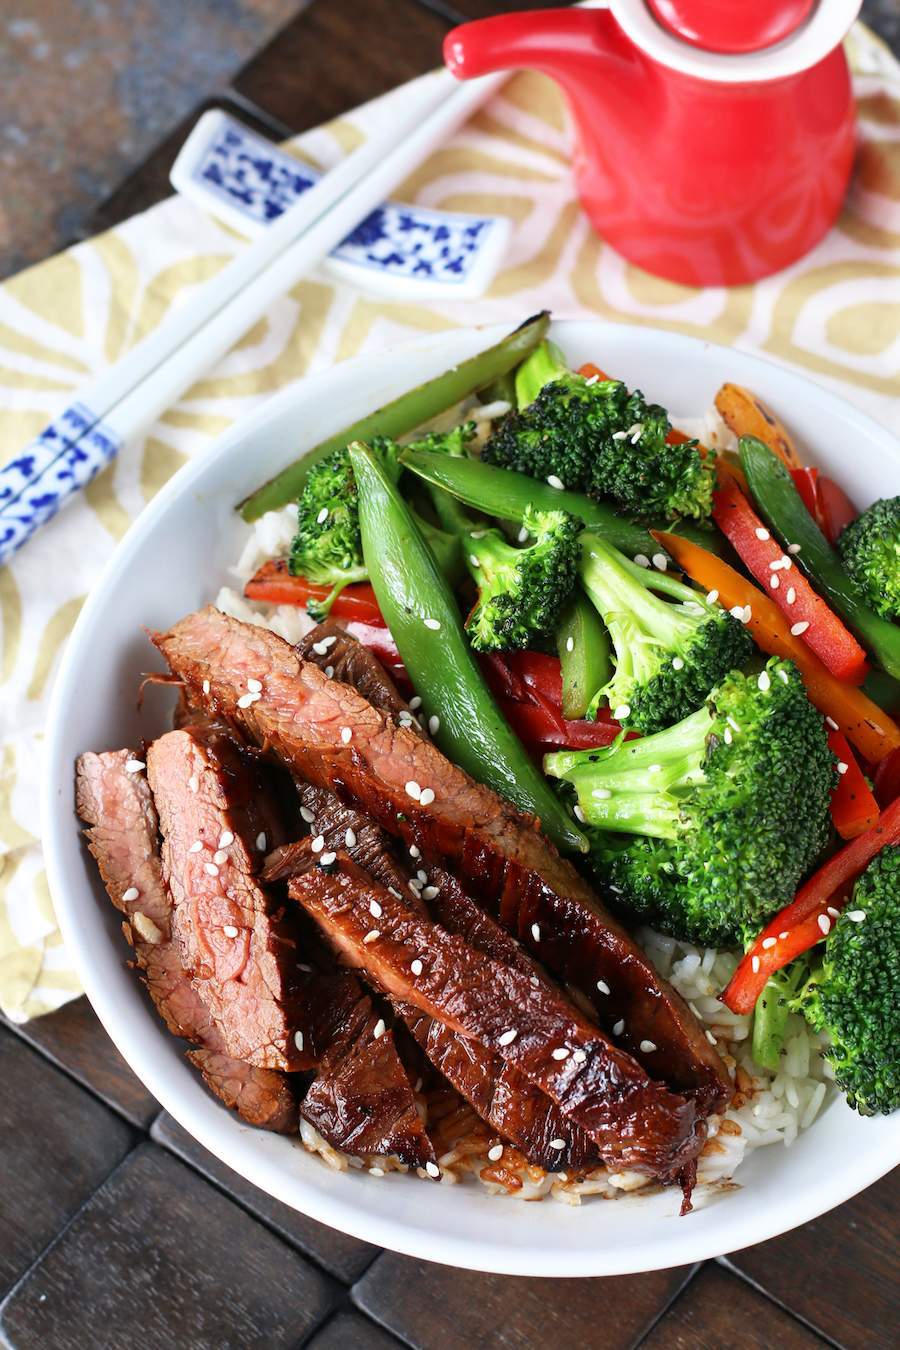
x: 115, y: 802
x: 500, y: 1094
x: 332, y: 649
x: 502, y: 859
x: 240, y: 951
x: 636, y: 1122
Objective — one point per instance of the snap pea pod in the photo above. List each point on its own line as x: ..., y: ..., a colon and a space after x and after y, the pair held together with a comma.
x: 404, y: 413
x: 583, y: 646
x: 782, y: 506
x: 421, y: 611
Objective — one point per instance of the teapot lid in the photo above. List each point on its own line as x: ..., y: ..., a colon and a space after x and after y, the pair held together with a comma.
x: 734, y: 41
x: 735, y: 26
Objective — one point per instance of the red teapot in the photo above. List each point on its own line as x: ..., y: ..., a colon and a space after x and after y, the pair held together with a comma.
x: 715, y: 138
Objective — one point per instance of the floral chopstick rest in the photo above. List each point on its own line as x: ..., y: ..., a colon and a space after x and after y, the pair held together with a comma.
x: 246, y: 181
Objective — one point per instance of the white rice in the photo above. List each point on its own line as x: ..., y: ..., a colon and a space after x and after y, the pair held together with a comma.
x: 768, y: 1108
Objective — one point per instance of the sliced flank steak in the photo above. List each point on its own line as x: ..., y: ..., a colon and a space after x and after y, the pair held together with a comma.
x: 328, y: 734
x: 636, y: 1122
x: 497, y: 1091
x: 113, y: 799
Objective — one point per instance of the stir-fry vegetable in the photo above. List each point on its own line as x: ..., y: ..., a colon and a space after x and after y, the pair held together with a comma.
x: 584, y: 657
x: 782, y: 507
x: 870, y: 549
x: 746, y: 415
x: 404, y: 414
x: 424, y: 619
x: 853, y: 805
x: 870, y: 729
x: 809, y: 917
x: 274, y: 585
x: 821, y: 630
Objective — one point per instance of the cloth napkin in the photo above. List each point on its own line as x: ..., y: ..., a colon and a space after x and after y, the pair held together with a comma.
x: 835, y: 315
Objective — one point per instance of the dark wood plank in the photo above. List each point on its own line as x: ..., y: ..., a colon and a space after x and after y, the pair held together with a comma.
x: 343, y: 1256
x: 839, y: 1273
x: 57, y: 1143
x: 439, y: 1308
x: 159, y: 1259
x: 348, y: 1330
x: 719, y: 1311
x: 73, y: 1037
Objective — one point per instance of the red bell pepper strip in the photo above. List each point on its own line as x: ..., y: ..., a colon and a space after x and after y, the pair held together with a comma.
x: 806, y: 920
x: 836, y: 508
x: 541, y: 731
x: 589, y: 370
x: 806, y: 481
x: 853, y: 806
x: 274, y: 585
x: 887, y: 778
x: 764, y: 558
x: 871, y: 730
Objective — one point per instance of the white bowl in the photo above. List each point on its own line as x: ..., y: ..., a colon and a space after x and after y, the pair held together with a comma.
x: 172, y: 561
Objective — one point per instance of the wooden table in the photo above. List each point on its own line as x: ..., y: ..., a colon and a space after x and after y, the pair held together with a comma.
x: 118, y: 1230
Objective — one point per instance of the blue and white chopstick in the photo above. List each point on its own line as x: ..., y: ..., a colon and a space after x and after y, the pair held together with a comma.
x: 128, y: 398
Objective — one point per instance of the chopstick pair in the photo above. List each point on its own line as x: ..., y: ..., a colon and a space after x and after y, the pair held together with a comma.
x: 133, y: 393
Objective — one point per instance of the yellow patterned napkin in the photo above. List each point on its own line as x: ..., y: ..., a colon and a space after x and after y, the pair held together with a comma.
x: 836, y: 315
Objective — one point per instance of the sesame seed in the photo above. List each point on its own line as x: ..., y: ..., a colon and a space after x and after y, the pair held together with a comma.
x: 660, y: 562
x: 507, y: 1037
x: 570, y: 643
x: 856, y: 915
x: 432, y: 1169
x: 737, y: 612
x: 220, y: 856
x: 762, y: 532
x: 495, y: 1153
x: 327, y: 859
x: 558, y: 1144
x: 763, y: 682
x: 791, y: 595
x: 477, y: 534
x: 798, y: 629
x: 346, y: 734
x: 601, y: 794
x: 230, y: 931
x: 415, y: 887
x: 561, y: 1052
x: 307, y: 815
x: 322, y: 516
x: 783, y: 935
x: 375, y: 909
x: 712, y: 597
x: 415, y: 703
x: 735, y: 726
x: 206, y: 686
x: 727, y: 736
x: 427, y: 796
x: 319, y: 648
x: 433, y: 624
x: 835, y: 913
x: 422, y: 876
x: 131, y: 894
x: 710, y: 1037
x: 642, y: 560
x: 603, y: 986
x: 247, y: 700
x: 298, y: 1039
x: 379, y: 1029
x: 226, y: 838
x: 372, y: 936
x: 842, y: 767
x: 677, y: 663
x: 776, y: 565
x: 648, y: 1046
x: 754, y: 965
x: 619, y: 1027
x: 329, y: 672
x: 376, y: 1171
x: 413, y: 790
x: 769, y: 942
x: 196, y: 846
x: 623, y: 711
x: 329, y: 641
x: 829, y: 721
x: 415, y: 851
x: 536, y: 931
x: 634, y: 431
x: 255, y: 686
x: 824, y: 923
x: 434, y: 724
x: 473, y: 560
x: 555, y: 482
x: 261, y: 841
x: 774, y: 581
x: 350, y: 838
x: 619, y: 435
x: 747, y: 614
x: 318, y: 843
x: 194, y: 783
x: 211, y: 869
x: 793, y: 548
x: 430, y: 892
x: 579, y: 1056
x: 134, y: 765
x: 416, y: 966
x: 522, y: 535
x: 787, y: 563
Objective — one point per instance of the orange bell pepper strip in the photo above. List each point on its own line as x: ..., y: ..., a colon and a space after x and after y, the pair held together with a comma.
x: 865, y: 725
x: 809, y: 916
x: 824, y: 633
x: 853, y: 806
x: 746, y: 415
x: 589, y: 370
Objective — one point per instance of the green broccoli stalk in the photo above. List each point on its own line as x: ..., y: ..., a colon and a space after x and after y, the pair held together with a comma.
x: 773, y: 1008
x: 706, y: 828
x: 870, y: 549
x: 595, y: 436
x: 327, y: 548
x: 521, y: 591
x: 668, y: 656
x: 852, y: 995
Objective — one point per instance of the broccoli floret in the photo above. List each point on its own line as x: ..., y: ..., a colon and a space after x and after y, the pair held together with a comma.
x: 870, y: 548
x: 327, y: 548
x: 595, y: 436
x: 521, y: 591
x: 853, y: 994
x: 668, y: 656
x: 705, y: 829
